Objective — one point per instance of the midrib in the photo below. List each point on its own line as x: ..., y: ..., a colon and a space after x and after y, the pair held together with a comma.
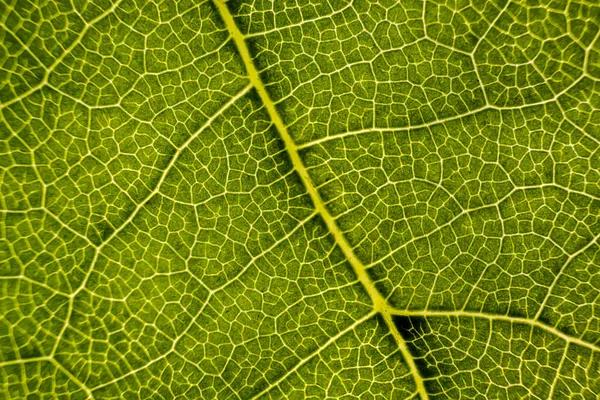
x: 379, y: 303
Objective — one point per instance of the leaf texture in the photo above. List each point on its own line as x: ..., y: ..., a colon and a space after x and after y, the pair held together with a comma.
x: 301, y: 199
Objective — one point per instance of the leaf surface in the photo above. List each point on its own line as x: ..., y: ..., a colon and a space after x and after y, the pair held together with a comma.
x: 251, y: 199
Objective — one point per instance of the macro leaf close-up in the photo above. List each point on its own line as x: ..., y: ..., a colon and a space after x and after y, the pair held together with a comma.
x: 300, y: 199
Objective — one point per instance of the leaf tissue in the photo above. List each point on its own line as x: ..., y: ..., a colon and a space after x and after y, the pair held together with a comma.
x: 300, y: 199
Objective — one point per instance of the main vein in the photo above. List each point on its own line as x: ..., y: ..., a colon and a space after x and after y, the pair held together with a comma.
x: 379, y: 302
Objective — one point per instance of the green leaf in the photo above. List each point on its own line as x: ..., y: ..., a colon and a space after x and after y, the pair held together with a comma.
x: 300, y: 199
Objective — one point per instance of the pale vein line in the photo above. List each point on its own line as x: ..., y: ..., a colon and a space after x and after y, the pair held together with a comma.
x: 55, y: 217
x: 435, y: 41
x: 32, y: 281
x: 65, y: 53
x: 174, y: 158
x: 25, y: 46
x: 379, y: 303
x: 468, y: 211
x: 561, y: 271
x: 264, y: 252
x: 301, y: 23
x: 399, y: 129
x: 20, y: 361
x: 72, y: 377
x: 140, y: 205
x: 54, y: 362
x: 499, y: 317
x: 491, y: 26
x: 440, y: 121
x: 560, y: 366
x: 208, y: 299
x: 331, y: 340
x: 588, y: 51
